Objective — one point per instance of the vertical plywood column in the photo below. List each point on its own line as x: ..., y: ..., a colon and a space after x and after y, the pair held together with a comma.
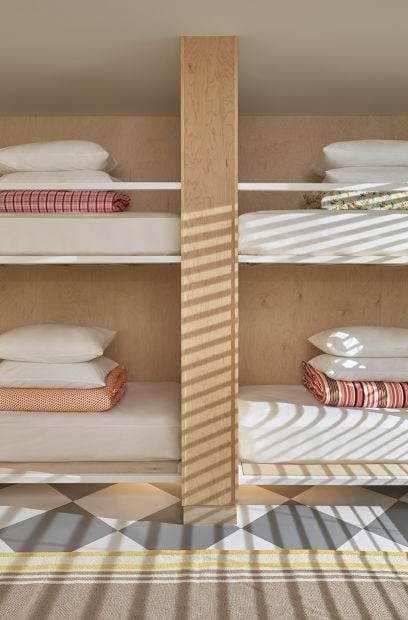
x: 209, y: 278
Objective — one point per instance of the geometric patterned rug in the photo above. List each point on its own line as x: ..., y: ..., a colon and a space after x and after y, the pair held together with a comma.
x: 204, y: 585
x: 135, y: 517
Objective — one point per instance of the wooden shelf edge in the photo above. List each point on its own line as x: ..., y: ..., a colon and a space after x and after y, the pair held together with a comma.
x: 92, y: 471
x: 279, y: 259
x: 325, y: 473
x: 109, y: 186
x: 91, y: 260
x: 321, y: 187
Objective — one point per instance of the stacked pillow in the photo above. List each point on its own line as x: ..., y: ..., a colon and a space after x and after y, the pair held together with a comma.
x: 364, y: 162
x: 360, y: 366
x: 55, y: 367
x: 63, y: 161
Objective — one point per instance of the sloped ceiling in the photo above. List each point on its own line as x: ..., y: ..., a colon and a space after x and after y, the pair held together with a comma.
x: 122, y: 56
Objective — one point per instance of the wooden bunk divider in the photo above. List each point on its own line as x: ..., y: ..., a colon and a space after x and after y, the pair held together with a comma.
x: 209, y: 278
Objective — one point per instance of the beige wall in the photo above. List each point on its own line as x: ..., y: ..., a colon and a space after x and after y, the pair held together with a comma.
x: 280, y: 306
x: 142, y: 302
x: 283, y: 149
x: 146, y: 148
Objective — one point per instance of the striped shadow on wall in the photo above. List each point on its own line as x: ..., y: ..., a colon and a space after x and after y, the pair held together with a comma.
x: 209, y: 278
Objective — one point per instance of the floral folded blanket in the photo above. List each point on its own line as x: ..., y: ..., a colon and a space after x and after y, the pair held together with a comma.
x: 61, y: 201
x: 66, y: 399
x: 357, y: 201
x: 366, y: 394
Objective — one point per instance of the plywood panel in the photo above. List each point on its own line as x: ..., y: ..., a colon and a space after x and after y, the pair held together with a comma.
x: 283, y: 149
x: 146, y: 148
x: 208, y: 275
x: 281, y: 306
x: 141, y: 302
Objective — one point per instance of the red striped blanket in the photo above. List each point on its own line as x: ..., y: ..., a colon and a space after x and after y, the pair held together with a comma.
x: 369, y: 394
x: 61, y: 201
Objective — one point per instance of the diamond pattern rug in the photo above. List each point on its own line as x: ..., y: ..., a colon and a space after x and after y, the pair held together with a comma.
x: 134, y: 517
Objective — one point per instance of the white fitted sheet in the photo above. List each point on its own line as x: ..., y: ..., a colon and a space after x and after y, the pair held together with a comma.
x: 285, y: 424
x: 144, y: 425
x: 128, y: 233
x: 318, y: 232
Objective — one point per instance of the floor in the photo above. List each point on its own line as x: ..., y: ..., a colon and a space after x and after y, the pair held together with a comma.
x: 115, y: 517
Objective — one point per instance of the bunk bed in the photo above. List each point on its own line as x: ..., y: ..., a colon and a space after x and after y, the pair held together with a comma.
x: 285, y: 435
x: 204, y: 417
x: 139, y: 440
x: 319, y: 236
x: 129, y: 237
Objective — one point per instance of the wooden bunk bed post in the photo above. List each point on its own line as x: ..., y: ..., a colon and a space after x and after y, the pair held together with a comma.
x: 209, y: 270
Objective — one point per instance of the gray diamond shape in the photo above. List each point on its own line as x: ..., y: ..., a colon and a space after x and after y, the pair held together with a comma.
x: 295, y: 526
x: 392, y: 524
x: 390, y: 491
x: 155, y: 535
x: 63, y: 529
x: 171, y: 514
x: 76, y: 491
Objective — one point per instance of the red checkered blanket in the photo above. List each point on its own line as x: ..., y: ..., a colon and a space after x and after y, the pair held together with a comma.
x: 60, y: 201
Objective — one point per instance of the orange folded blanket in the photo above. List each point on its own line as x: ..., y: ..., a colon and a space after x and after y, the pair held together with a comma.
x: 59, y: 400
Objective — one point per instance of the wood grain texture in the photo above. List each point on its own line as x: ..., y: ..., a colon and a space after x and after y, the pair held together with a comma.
x: 208, y: 273
x: 325, y: 473
x: 142, y: 303
x: 282, y: 305
x: 91, y: 467
x: 146, y: 148
x: 91, y: 472
x: 283, y: 149
x: 208, y: 515
x: 326, y: 469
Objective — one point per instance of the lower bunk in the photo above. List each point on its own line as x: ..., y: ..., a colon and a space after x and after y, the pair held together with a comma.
x: 138, y: 440
x: 287, y: 437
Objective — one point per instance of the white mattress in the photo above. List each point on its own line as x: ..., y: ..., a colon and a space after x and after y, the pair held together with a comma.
x: 89, y: 234
x: 318, y: 232
x: 285, y: 424
x: 144, y: 425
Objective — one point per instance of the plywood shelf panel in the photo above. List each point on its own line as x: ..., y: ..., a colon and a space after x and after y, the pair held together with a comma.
x: 325, y: 473
x: 90, y: 260
x: 91, y: 471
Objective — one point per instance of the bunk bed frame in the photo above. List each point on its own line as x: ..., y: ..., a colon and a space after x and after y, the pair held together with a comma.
x: 209, y: 470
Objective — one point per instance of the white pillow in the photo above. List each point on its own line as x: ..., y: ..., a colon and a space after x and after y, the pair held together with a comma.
x: 362, y: 368
x: 36, y: 375
x: 54, y: 343
x: 70, y: 176
x: 57, y: 155
x: 365, y: 153
x: 363, y: 341
x: 368, y: 174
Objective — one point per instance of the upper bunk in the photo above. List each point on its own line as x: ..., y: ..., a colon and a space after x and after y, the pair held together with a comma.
x: 319, y: 236
x: 60, y: 204
x: 272, y: 229
x: 356, y: 214
x: 129, y: 237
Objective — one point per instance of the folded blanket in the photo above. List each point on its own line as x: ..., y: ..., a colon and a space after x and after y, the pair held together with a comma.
x: 59, y: 201
x: 53, y: 399
x: 370, y: 394
x: 357, y: 201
